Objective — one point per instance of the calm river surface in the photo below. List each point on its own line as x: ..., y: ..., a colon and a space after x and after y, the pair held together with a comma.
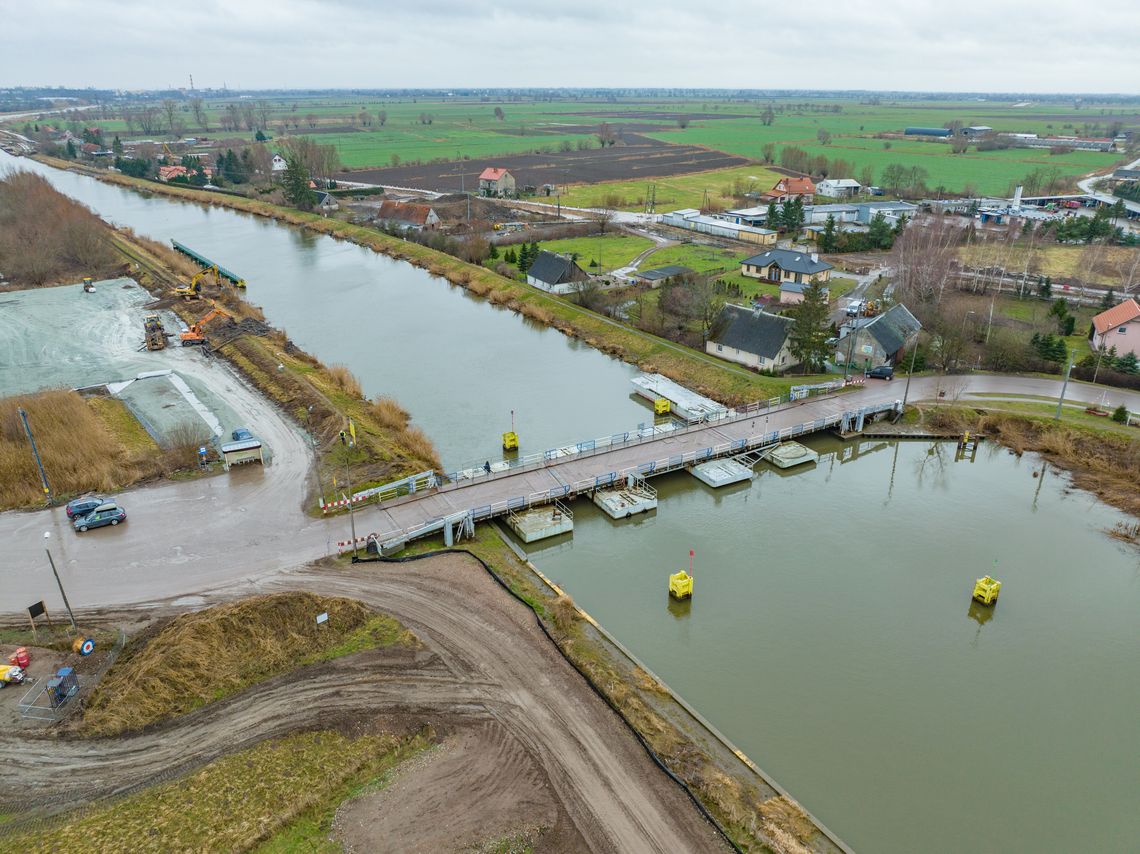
x: 831, y: 635
x: 457, y: 363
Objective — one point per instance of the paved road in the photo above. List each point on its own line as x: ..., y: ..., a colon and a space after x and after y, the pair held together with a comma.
x: 187, y: 537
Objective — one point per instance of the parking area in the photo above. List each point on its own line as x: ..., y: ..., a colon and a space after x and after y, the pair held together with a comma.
x: 62, y: 337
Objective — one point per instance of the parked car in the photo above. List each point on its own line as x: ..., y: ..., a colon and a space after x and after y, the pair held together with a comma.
x: 241, y: 434
x: 105, y: 514
x: 854, y: 308
x: 882, y: 372
x: 82, y: 506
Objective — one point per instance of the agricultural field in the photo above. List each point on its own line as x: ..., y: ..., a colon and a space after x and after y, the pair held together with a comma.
x: 1115, y: 266
x: 724, y: 187
x: 600, y: 253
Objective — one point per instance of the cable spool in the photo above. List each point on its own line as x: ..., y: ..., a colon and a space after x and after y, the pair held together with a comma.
x: 87, y: 647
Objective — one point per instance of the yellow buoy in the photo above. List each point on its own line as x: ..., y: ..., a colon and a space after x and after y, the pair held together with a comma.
x: 986, y: 590
x: 510, y: 441
x: 662, y: 406
x: 681, y: 585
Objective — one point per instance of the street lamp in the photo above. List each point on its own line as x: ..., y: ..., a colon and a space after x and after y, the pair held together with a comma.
x: 47, y: 536
x: 1061, y: 400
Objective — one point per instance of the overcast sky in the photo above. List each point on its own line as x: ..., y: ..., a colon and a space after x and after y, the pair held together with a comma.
x: 940, y: 45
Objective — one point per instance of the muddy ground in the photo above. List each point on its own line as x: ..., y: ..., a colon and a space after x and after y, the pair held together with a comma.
x: 527, y: 744
x: 634, y: 158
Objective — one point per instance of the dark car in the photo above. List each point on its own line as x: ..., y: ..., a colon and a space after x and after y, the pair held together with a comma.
x: 104, y: 514
x: 241, y: 434
x: 82, y: 506
x: 882, y: 372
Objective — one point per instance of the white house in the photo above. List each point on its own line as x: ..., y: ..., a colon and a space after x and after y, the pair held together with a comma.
x: 279, y: 164
x: 838, y: 188
x: 752, y: 337
x: 555, y: 273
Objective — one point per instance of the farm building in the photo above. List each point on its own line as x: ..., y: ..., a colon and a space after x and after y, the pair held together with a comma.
x: 879, y: 340
x: 751, y: 337
x: 838, y: 188
x: 325, y: 202
x: 279, y: 163
x: 787, y: 189
x: 937, y: 132
x: 818, y: 214
x: 976, y: 130
x: 408, y: 215
x: 1118, y: 327
x: 693, y: 220
x: 756, y: 216
x: 792, y: 293
x: 555, y: 273
x: 496, y: 182
x: 891, y: 210
x: 786, y: 265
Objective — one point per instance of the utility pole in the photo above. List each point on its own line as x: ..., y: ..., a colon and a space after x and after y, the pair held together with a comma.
x: 913, y: 353
x: 66, y: 604
x: 1064, y: 385
x: 36, y: 454
x: 851, y: 348
x: 348, y: 474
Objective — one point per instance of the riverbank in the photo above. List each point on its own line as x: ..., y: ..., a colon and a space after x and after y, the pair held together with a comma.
x: 721, y: 380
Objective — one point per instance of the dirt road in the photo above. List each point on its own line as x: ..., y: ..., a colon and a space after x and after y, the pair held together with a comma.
x: 485, y: 669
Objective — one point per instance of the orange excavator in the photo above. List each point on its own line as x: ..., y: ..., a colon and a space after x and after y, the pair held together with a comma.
x: 195, y: 335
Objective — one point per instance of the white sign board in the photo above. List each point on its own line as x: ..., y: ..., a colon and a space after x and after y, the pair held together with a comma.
x: 322, y: 617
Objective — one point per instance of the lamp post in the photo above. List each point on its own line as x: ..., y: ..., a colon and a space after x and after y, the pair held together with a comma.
x: 66, y: 604
x: 1064, y: 385
x: 910, y: 371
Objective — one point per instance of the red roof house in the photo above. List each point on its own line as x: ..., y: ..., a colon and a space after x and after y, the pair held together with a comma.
x: 494, y: 181
x: 787, y: 189
x: 1118, y: 327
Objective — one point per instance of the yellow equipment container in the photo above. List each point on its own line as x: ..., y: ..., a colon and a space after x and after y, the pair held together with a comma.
x: 511, y: 441
x: 662, y: 406
x: 986, y: 590
x: 681, y: 585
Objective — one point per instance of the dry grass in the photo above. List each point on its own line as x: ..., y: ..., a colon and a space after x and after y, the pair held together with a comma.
x: 389, y: 414
x: 564, y: 613
x: 233, y: 803
x: 85, y: 447
x: 204, y: 656
x: 344, y: 379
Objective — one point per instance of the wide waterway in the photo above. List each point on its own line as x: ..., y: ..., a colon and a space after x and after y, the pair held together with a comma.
x: 458, y: 364
x: 831, y: 634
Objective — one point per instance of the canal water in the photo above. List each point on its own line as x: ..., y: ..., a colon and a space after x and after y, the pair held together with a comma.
x: 458, y: 364
x: 831, y: 634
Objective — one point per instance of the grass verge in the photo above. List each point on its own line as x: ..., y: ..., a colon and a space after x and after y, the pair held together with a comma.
x: 281, y: 791
x: 205, y: 656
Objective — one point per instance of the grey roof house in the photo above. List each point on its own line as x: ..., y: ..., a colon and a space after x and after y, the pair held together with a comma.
x: 751, y: 337
x: 879, y: 340
x: 555, y: 273
x: 786, y: 265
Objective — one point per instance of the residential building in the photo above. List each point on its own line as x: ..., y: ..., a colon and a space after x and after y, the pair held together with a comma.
x: 555, y: 273
x: 408, y: 215
x: 1118, y: 327
x: 792, y: 293
x: 880, y: 340
x: 325, y: 202
x: 787, y: 189
x: 496, y: 182
x: 786, y: 265
x: 279, y: 163
x: 838, y: 188
x: 752, y: 337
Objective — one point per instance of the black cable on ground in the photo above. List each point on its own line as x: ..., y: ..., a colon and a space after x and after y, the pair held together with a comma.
x: 605, y: 698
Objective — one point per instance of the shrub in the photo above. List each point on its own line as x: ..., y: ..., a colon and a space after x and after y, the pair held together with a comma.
x: 1120, y: 414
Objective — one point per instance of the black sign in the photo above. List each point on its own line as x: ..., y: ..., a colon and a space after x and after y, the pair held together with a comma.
x: 36, y: 609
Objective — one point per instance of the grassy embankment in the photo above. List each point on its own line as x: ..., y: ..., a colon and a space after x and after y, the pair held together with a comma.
x: 278, y: 796
x: 727, y: 383
x: 318, y: 397
x: 205, y: 656
x: 87, y: 445
x: 731, y: 794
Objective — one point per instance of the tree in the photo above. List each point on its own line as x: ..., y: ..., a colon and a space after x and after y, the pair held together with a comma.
x: 879, y: 232
x: 827, y: 240
x: 606, y: 135
x: 768, y: 152
x: 773, y: 218
x: 198, y: 108
x: 1059, y: 311
x: 1045, y: 289
x: 768, y: 116
x: 810, y: 329
x: 70, y: 150
x: 117, y: 146
x: 382, y: 117
x: 295, y: 184
x: 823, y: 136
x: 682, y: 122
x: 264, y: 111
x: 792, y: 216
x: 1109, y: 299
x: 493, y: 252
x: 1120, y: 414
x: 1127, y: 364
x: 170, y: 113
x: 499, y: 114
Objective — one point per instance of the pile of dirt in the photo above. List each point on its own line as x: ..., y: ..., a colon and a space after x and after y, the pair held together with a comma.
x: 201, y: 657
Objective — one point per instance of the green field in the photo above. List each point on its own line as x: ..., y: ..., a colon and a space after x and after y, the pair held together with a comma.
x: 680, y: 191
x: 456, y: 127
x: 609, y: 251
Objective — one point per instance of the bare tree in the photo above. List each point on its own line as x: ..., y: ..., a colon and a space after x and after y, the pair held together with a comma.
x: 231, y: 119
x: 499, y: 114
x: 148, y: 118
x: 824, y: 137
x: 264, y: 111
x: 924, y: 260
x: 198, y: 108
x: 249, y: 115
x: 382, y: 117
x: 607, y: 211
x: 606, y: 134
x: 170, y: 113
x: 311, y: 119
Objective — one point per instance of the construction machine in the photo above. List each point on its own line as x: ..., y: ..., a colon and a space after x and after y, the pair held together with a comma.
x: 155, y: 334
x: 195, y: 335
x: 194, y: 289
